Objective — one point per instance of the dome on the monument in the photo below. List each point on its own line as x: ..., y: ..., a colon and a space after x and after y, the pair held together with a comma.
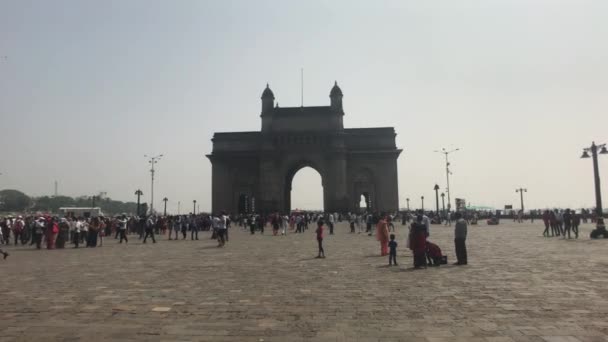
x: 267, y: 93
x: 335, y: 91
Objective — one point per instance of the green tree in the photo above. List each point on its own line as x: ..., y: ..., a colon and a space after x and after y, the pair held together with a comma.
x: 52, y: 204
x: 14, y: 200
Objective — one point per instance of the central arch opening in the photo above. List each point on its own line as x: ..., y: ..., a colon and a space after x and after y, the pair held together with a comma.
x: 306, y: 190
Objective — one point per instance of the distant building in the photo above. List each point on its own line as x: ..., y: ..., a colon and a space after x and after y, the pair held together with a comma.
x: 81, y: 211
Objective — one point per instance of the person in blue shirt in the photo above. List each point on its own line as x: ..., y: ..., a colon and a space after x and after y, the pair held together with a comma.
x: 392, y: 255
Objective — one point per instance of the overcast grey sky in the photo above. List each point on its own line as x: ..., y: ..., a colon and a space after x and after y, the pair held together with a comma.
x: 88, y: 87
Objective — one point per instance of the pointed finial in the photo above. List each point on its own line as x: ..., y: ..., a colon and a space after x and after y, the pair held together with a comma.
x: 335, y: 83
x: 267, y: 86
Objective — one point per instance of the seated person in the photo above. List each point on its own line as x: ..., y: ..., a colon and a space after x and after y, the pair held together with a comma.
x: 493, y: 220
x: 433, y: 254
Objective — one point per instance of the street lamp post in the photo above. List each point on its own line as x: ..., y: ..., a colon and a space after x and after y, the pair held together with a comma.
x: 521, y: 195
x: 152, y: 160
x: 422, y: 198
x: 194, y: 207
x: 448, y: 172
x: 138, y: 193
x: 596, y: 174
x: 178, y: 206
x: 408, y: 204
x: 436, y: 188
x: 165, y: 200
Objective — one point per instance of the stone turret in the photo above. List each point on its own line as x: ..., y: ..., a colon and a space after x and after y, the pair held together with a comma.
x: 267, y: 108
x: 267, y: 100
x: 336, y: 98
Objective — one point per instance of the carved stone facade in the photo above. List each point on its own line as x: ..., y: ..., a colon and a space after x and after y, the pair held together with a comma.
x: 253, y: 171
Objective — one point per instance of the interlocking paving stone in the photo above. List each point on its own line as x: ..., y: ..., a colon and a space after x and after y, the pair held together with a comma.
x: 518, y: 286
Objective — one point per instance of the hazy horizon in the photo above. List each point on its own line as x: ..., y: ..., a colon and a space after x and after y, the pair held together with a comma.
x: 87, y: 88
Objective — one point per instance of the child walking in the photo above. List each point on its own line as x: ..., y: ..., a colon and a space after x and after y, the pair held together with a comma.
x: 392, y: 255
x: 319, y: 232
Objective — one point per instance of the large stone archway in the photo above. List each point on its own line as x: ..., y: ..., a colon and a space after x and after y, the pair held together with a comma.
x: 289, y: 176
x: 253, y: 171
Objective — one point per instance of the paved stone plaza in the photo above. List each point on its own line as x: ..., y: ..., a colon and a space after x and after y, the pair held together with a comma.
x: 518, y: 286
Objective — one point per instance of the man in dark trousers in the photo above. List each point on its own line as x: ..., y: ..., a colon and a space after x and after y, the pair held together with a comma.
x: 150, y: 229
x: 460, y: 237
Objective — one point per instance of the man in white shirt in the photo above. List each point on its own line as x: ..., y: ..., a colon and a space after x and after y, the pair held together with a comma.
x: 331, y: 223
x: 122, y: 228
x: 221, y: 229
x: 77, y: 229
x: 426, y: 222
x: 150, y: 229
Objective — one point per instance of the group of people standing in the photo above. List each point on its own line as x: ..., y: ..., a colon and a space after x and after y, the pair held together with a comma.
x: 55, y: 233
x: 560, y: 223
x: 422, y: 249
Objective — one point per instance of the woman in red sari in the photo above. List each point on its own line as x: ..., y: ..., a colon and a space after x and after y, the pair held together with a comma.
x: 382, y: 235
x: 418, y: 242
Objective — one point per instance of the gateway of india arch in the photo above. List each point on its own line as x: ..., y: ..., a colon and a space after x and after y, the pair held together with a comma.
x: 253, y: 171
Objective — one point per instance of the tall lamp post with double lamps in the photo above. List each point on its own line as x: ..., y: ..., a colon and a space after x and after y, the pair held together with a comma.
x: 448, y: 172
x: 598, y: 192
x: 152, y: 160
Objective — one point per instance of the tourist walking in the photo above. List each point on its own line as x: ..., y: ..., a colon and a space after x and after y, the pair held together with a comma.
x: 319, y: 233
x: 274, y: 221
x: 176, y: 226
x: 284, y: 220
x: 150, y: 229
x: 460, y: 236
x: 576, y: 221
x: 221, y: 229
x: 567, y: 217
x: 560, y: 221
x: 122, y: 228
x: 547, y: 222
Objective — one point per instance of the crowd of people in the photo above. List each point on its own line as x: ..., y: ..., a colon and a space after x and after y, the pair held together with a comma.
x: 55, y: 232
